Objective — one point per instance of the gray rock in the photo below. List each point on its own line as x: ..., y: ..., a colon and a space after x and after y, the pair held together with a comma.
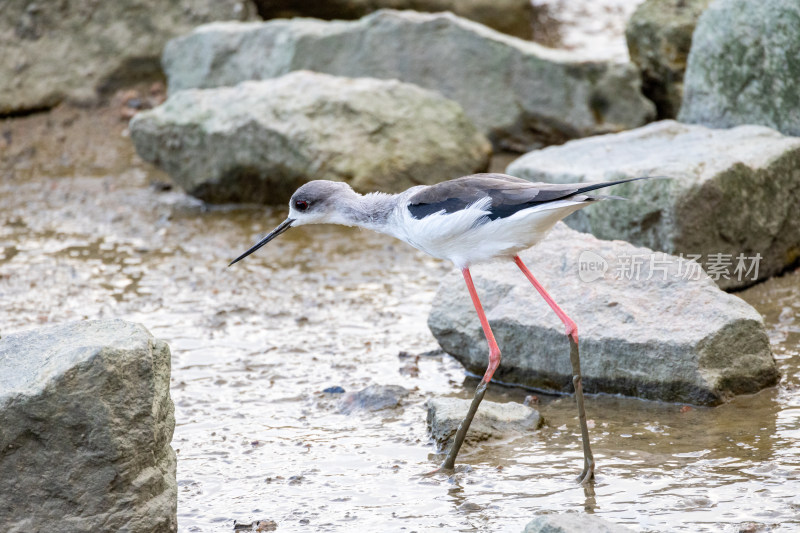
x: 86, y: 422
x: 492, y: 420
x: 517, y: 92
x: 58, y: 50
x: 260, y: 140
x: 373, y: 398
x: 514, y: 17
x: 659, y: 36
x: 743, y: 66
x: 674, y: 337
x: 733, y: 192
x: 573, y: 523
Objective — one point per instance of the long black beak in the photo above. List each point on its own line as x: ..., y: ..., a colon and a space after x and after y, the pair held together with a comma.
x: 286, y: 224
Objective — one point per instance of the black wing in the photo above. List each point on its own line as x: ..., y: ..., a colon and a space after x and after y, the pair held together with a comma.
x: 509, y: 194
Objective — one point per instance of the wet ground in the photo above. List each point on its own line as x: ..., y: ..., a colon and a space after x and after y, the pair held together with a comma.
x: 596, y: 29
x: 88, y: 231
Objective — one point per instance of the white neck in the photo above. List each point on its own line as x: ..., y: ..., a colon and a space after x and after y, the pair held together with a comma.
x: 370, y: 211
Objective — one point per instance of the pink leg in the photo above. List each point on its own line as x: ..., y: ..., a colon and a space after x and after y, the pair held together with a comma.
x: 494, y: 362
x: 571, y: 327
x: 494, y: 350
x: 572, y: 335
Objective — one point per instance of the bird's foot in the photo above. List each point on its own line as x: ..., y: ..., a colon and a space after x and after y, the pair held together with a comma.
x: 587, y: 476
x: 440, y: 470
x: 448, y: 471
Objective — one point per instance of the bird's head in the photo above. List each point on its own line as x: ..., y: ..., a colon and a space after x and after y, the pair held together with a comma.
x: 319, y: 202
x: 316, y: 202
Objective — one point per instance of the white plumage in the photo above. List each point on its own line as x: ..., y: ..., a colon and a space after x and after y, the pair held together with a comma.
x: 467, y: 237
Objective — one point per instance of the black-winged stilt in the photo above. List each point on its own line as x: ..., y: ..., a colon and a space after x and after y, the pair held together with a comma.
x: 468, y: 220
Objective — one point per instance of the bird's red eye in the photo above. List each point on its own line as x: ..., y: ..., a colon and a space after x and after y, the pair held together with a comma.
x: 301, y: 205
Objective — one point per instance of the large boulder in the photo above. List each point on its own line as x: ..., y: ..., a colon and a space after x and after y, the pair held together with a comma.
x: 86, y: 422
x: 519, y: 93
x: 659, y: 36
x: 58, y: 50
x: 514, y: 17
x: 650, y: 325
x: 260, y: 140
x: 743, y: 67
x: 732, y: 200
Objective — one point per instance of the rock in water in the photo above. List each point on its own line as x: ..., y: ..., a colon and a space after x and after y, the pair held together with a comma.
x: 743, y: 67
x: 520, y: 94
x: 58, y: 50
x: 650, y: 325
x: 732, y: 199
x: 659, y: 36
x: 573, y: 523
x: 260, y: 140
x: 492, y: 420
x: 514, y: 17
x: 373, y: 398
x: 86, y: 422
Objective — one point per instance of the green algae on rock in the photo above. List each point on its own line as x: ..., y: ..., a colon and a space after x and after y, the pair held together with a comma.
x: 744, y: 66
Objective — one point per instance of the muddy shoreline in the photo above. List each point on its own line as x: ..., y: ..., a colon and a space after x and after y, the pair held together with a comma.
x: 89, y: 231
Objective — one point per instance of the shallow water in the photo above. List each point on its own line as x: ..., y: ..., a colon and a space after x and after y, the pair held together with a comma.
x: 254, y: 346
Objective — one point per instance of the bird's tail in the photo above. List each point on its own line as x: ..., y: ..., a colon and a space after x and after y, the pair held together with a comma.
x: 605, y: 197
x: 600, y: 185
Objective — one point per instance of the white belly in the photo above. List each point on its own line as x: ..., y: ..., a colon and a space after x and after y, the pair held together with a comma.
x: 467, y: 237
